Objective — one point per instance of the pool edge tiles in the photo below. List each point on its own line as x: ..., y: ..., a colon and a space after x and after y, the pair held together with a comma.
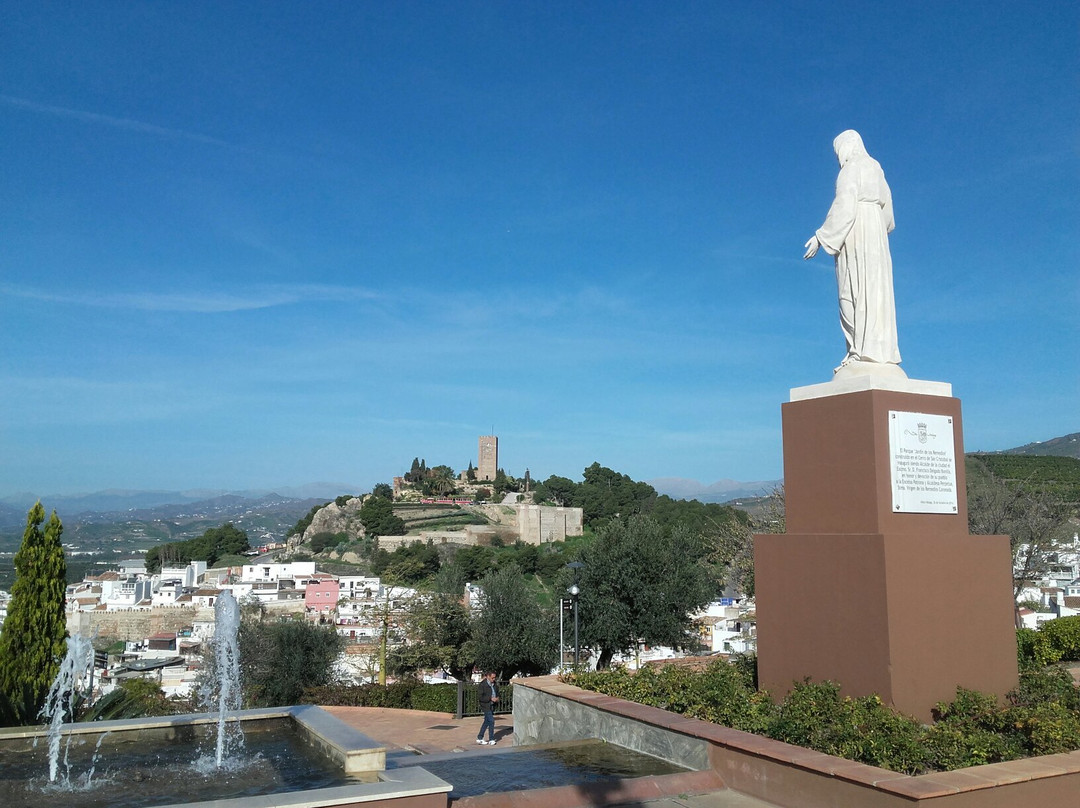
x: 350, y: 748
x: 399, y: 784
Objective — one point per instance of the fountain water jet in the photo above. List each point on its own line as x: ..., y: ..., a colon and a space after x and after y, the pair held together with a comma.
x: 60, y: 703
x: 222, y: 690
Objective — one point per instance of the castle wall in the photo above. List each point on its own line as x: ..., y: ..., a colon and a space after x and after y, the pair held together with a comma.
x: 540, y: 524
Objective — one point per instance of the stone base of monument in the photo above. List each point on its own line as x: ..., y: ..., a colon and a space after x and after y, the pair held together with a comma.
x: 877, y: 584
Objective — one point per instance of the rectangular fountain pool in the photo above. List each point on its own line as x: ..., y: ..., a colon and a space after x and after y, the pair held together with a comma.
x: 299, y: 754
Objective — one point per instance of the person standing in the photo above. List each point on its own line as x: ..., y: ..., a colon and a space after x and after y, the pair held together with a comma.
x: 489, y: 697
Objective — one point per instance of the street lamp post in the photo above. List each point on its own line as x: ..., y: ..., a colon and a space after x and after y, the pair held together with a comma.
x: 575, y: 590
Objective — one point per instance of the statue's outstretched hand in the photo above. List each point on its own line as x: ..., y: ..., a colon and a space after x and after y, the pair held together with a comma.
x: 811, y: 247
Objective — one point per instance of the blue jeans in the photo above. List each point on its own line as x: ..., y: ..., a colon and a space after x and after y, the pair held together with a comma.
x: 489, y: 725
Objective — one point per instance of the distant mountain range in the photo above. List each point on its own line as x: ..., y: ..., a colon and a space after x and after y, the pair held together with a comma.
x: 720, y: 491
x: 113, y: 504
x: 728, y: 490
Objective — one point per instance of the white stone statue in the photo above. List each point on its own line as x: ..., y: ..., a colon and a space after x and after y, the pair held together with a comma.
x: 856, y: 231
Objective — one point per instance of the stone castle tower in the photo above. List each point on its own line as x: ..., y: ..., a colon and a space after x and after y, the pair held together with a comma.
x: 488, y: 453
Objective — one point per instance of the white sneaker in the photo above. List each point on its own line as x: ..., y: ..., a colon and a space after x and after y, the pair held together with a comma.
x: 490, y: 743
x: 481, y: 741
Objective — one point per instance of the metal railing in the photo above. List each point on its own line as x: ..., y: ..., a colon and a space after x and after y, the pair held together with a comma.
x: 468, y: 699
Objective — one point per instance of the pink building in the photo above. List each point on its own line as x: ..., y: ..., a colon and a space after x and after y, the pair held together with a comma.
x: 321, y: 594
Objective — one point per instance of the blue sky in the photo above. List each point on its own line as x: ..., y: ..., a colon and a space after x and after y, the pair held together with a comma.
x: 247, y: 250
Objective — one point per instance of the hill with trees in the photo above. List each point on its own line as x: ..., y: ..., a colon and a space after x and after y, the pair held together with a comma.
x: 1055, y: 475
x: 1034, y: 500
x: 212, y: 546
x: 1065, y: 446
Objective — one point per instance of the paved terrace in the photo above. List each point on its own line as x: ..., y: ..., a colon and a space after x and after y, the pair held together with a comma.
x: 441, y: 733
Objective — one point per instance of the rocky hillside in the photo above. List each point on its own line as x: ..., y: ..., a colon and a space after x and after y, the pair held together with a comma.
x: 334, y: 518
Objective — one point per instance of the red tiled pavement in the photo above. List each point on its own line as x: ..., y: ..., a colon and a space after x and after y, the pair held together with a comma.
x: 421, y: 731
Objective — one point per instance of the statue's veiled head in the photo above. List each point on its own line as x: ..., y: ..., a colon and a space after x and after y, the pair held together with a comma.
x: 848, y: 144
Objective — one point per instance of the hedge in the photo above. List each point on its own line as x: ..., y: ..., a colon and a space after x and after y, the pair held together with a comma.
x: 1040, y: 717
x: 1054, y: 641
x: 404, y: 695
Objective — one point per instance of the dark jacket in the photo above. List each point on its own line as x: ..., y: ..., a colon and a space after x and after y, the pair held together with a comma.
x: 486, y: 690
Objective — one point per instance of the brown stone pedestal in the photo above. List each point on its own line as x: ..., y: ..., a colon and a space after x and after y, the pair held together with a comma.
x: 905, y: 605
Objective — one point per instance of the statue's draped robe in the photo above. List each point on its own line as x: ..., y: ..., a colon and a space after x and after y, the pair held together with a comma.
x: 856, y: 232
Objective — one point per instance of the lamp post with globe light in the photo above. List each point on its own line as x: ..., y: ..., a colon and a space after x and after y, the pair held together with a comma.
x: 575, y: 590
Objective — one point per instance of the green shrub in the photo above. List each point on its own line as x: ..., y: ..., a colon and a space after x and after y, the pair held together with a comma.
x: 323, y: 540
x: 1042, y: 715
x: 719, y: 694
x: 815, y: 715
x: 134, y: 698
x: 19, y: 710
x: 1048, y: 728
x: 1063, y: 635
x: 278, y: 660
x: 969, y: 708
x: 1054, y: 641
x: 948, y: 747
x: 746, y: 665
x: 1031, y: 647
x: 435, y: 698
x: 336, y: 696
x: 1050, y: 684
x: 971, y: 730
x: 399, y: 695
x: 408, y: 694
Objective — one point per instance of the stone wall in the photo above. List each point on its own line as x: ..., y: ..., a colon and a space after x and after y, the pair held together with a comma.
x: 136, y: 624
x: 539, y: 524
x: 472, y: 535
x: 541, y: 717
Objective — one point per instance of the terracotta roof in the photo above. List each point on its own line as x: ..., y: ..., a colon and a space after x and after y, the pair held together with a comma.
x: 1072, y: 601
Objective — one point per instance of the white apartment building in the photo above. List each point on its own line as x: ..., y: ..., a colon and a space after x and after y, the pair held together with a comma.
x: 293, y: 571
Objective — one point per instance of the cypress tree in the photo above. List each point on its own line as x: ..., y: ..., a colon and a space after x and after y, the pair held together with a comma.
x: 33, y: 637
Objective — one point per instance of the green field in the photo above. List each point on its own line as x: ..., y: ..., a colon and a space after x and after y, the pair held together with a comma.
x: 1059, y: 476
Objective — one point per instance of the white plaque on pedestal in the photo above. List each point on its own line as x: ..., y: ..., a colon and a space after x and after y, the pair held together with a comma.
x: 923, y: 463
